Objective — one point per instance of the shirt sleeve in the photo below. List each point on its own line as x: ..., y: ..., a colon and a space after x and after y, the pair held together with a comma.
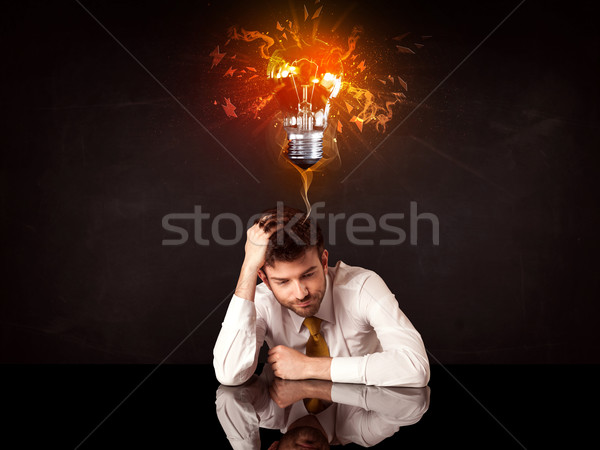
x: 237, y: 416
x: 405, y: 405
x: 371, y: 414
x: 235, y: 355
x: 403, y: 359
x: 241, y: 411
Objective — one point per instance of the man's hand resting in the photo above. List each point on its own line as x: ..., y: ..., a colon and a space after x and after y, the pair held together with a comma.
x: 290, y: 364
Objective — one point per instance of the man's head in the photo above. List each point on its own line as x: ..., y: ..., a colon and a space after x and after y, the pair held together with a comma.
x: 305, y: 432
x: 296, y: 261
x: 302, y: 437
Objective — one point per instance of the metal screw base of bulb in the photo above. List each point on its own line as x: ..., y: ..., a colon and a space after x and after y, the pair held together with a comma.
x: 305, y: 148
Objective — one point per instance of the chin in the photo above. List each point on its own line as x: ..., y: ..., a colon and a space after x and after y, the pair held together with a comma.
x: 306, y: 312
x: 305, y: 436
x: 310, y: 310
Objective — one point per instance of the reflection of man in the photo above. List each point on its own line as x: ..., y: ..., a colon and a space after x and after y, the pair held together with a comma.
x: 337, y: 323
x: 364, y: 415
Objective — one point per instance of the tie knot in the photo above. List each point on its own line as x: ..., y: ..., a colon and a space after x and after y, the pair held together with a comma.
x: 313, y: 324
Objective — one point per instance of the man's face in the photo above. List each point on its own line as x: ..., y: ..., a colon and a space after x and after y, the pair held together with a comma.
x: 304, y: 437
x: 299, y: 285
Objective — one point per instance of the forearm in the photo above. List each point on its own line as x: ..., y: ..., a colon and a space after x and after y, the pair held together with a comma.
x: 242, y: 334
x: 398, y: 402
x: 239, y: 341
x: 400, y: 368
x: 318, y: 389
x: 246, y: 285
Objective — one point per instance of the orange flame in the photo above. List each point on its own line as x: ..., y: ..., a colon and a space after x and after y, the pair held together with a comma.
x: 250, y: 36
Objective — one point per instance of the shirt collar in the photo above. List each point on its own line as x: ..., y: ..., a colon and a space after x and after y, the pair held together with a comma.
x: 325, y: 312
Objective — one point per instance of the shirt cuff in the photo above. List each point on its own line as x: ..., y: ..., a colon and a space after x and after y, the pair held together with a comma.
x: 239, y: 313
x: 348, y: 394
x: 348, y: 369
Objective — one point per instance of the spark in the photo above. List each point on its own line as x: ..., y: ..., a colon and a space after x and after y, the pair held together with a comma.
x: 358, y: 122
x: 217, y: 56
x: 402, y: 36
x: 229, y: 108
x: 230, y: 72
x: 402, y: 49
x: 403, y: 83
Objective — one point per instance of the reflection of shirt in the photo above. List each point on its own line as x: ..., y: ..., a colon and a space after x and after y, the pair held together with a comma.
x: 364, y: 415
x: 371, y: 340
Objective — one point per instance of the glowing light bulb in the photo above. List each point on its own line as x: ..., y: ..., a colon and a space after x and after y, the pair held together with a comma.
x: 306, y: 77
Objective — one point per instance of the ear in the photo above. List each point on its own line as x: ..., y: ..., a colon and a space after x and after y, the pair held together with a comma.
x: 263, y: 277
x: 324, y: 260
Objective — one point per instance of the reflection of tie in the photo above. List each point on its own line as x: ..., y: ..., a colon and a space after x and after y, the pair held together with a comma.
x: 315, y: 346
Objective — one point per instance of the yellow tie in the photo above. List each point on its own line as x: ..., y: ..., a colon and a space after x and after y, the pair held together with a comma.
x: 315, y: 346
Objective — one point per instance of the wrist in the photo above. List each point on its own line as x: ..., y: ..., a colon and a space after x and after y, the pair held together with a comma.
x: 250, y: 268
x: 318, y: 389
x: 246, y: 285
x: 319, y: 367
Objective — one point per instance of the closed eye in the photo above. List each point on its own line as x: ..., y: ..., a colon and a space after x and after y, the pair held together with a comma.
x: 306, y: 275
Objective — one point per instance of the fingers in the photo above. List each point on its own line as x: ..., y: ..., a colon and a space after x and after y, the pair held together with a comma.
x: 273, y: 354
x: 269, y: 227
x: 269, y: 223
x: 264, y: 219
x: 275, y: 350
x: 276, y: 357
x: 260, y: 233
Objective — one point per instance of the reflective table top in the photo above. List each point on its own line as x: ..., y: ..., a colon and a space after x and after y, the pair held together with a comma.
x: 176, y: 406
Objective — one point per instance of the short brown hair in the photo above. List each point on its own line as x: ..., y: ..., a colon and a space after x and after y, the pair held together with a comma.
x: 299, y: 233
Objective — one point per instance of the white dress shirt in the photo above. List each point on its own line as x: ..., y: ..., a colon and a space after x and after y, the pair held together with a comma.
x: 363, y: 415
x: 370, y: 339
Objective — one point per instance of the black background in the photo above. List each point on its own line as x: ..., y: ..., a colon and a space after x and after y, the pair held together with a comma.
x: 96, y: 153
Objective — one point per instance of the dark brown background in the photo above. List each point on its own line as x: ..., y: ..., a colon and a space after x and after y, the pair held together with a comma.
x: 95, y: 153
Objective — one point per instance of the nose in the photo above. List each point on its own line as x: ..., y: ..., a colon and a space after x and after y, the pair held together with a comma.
x: 300, y: 290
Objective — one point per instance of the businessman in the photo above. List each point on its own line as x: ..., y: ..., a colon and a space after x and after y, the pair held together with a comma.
x: 339, y: 323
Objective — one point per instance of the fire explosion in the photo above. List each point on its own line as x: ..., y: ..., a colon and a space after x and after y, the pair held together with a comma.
x: 306, y: 88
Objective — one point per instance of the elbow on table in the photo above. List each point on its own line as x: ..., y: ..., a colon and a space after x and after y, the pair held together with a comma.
x: 232, y: 378
x: 417, y: 375
x: 421, y: 375
x: 401, y: 372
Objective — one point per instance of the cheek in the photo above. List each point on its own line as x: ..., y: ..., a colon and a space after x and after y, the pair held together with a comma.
x: 318, y: 284
x: 281, y: 292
